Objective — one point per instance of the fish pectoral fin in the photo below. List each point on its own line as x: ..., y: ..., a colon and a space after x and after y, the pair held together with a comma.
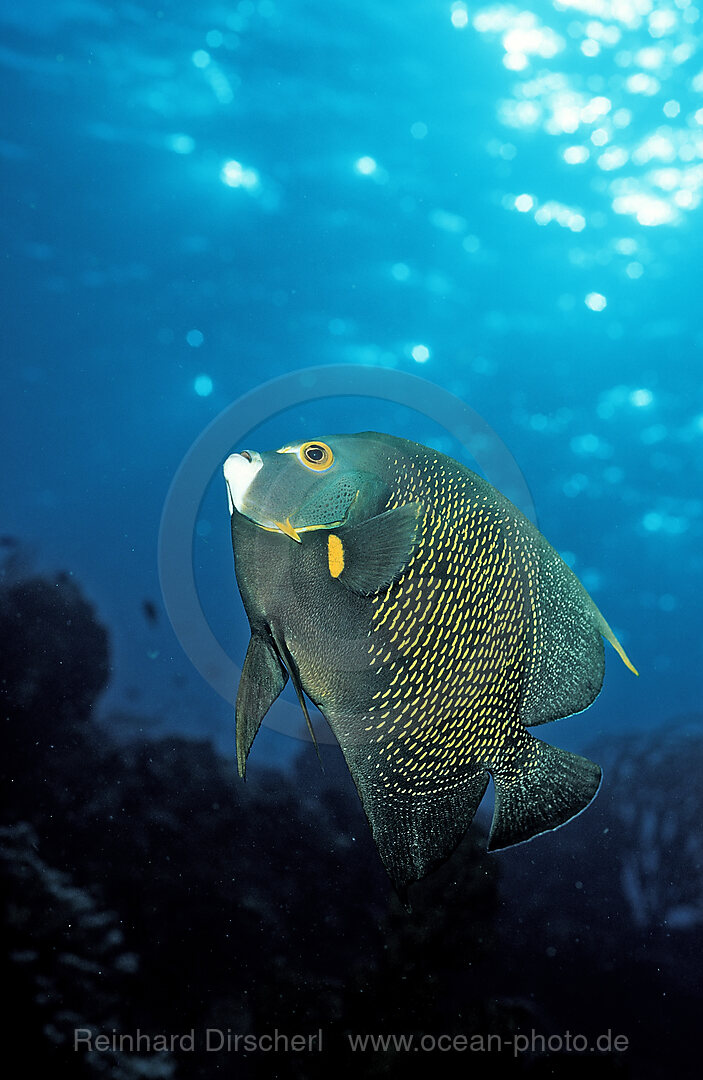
x: 372, y: 555
x: 538, y: 789
x: 263, y: 678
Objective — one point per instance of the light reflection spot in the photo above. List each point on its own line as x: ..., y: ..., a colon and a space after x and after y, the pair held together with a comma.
x: 612, y: 158
x: 515, y: 61
x: 203, y: 385
x: 641, y: 83
x: 365, y: 165
x: 234, y: 175
x: 622, y: 118
x: 576, y: 155
x: 641, y: 398
x: 595, y: 301
x: 459, y: 16
x: 400, y: 271
x: 181, y: 144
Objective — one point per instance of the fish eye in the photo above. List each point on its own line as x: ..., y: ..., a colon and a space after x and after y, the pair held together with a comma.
x: 316, y: 455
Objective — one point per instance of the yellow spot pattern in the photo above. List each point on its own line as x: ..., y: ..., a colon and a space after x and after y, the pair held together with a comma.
x: 454, y: 640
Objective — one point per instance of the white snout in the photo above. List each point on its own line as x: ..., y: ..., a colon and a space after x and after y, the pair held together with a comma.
x: 239, y: 473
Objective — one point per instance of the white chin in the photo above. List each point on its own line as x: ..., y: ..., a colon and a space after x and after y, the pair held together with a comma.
x: 239, y: 474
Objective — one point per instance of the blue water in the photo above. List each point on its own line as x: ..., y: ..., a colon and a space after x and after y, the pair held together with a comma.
x: 503, y: 200
x: 200, y: 201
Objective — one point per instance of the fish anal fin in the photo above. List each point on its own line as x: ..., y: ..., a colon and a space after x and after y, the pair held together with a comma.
x: 370, y: 556
x: 415, y: 833
x: 538, y: 790
x: 263, y: 679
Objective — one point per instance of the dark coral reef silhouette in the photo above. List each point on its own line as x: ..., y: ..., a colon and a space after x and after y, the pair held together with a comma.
x: 148, y: 889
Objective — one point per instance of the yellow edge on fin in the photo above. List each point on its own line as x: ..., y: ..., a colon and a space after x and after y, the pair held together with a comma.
x: 610, y: 636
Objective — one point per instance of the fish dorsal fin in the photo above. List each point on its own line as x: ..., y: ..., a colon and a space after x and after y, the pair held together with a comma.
x: 372, y: 555
x: 610, y: 637
x: 565, y: 672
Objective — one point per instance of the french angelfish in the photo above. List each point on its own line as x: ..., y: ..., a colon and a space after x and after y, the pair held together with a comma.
x: 432, y: 625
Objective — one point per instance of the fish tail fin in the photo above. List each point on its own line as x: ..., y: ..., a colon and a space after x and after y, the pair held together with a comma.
x: 539, y: 789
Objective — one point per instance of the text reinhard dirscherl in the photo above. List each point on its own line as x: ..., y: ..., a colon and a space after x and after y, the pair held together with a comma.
x: 223, y: 1040
x: 213, y: 1040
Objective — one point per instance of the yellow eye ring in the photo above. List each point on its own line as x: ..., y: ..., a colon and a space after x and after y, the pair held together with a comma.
x: 316, y: 456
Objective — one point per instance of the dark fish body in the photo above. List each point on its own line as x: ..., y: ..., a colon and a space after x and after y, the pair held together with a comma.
x: 431, y: 623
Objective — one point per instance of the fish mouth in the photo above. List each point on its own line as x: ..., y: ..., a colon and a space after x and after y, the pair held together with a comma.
x: 240, y: 471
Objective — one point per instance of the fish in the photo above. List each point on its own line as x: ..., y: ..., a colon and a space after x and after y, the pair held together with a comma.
x: 151, y: 612
x: 432, y: 625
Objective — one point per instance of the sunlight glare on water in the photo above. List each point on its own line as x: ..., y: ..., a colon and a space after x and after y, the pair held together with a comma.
x: 553, y: 93
x: 235, y: 175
